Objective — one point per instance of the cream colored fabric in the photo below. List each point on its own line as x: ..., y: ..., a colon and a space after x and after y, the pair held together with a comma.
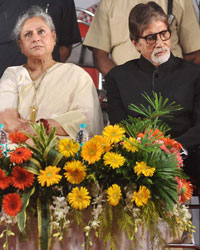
x: 66, y: 94
x: 109, y: 29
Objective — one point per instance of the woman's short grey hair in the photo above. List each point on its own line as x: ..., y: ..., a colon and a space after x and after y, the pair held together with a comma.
x: 34, y: 11
x: 142, y: 15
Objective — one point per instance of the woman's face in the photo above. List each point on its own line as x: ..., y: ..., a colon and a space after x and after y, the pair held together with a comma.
x: 158, y: 52
x: 36, y: 38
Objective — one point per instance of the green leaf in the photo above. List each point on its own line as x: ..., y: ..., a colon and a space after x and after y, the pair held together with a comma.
x: 33, y: 166
x: 52, y: 156
x: 21, y: 217
x: 44, y: 225
x: 51, y: 135
x: 160, y: 107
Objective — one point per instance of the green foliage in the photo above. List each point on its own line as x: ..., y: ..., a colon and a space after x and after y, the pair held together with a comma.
x: 157, y: 107
x: 21, y: 217
x: 150, y: 115
x: 145, y: 161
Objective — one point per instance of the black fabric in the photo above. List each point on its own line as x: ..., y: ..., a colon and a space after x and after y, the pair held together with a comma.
x: 170, y: 7
x: 192, y: 166
x: 64, y: 17
x: 177, y: 80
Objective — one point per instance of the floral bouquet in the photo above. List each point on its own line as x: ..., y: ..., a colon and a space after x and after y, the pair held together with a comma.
x: 129, y: 178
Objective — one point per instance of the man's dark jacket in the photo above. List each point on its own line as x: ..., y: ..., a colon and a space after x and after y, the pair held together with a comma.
x: 177, y: 79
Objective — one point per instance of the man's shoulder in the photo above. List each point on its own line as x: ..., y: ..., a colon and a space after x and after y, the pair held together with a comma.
x: 129, y: 66
x: 186, y: 65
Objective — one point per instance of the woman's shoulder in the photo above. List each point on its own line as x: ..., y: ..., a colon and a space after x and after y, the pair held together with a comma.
x: 15, y: 69
x: 71, y: 69
x: 68, y: 66
x: 73, y: 73
x: 14, y: 72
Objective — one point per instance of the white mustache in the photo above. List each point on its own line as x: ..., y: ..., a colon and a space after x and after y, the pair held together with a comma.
x: 158, y: 50
x: 162, y: 58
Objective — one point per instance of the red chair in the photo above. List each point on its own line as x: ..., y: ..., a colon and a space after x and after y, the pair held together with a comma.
x: 83, y: 57
x: 94, y: 73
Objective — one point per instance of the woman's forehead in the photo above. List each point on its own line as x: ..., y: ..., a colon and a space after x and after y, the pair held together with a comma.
x: 34, y: 22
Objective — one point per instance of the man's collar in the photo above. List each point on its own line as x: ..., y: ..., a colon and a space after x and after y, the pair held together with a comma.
x: 146, y: 65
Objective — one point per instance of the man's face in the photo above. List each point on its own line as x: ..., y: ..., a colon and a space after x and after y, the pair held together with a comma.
x: 156, y: 51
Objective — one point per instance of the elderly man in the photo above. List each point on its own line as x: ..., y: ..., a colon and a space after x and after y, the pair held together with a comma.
x: 157, y: 70
x: 109, y: 36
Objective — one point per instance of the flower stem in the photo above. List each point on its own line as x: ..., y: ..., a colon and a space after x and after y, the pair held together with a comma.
x: 5, y: 246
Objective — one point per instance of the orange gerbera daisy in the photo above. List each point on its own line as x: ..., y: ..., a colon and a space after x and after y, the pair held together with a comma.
x: 91, y: 151
x: 20, y: 155
x: 172, y: 143
x: 105, y: 142
x: 17, y: 137
x: 185, y: 189
x: 4, y: 180
x: 157, y: 134
x: 12, y: 204
x: 21, y: 178
x: 114, y: 133
x: 1, y: 154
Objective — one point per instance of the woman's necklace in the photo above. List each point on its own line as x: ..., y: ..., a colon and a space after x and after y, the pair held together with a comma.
x: 34, y: 107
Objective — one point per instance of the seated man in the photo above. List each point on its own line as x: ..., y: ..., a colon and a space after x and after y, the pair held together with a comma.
x: 156, y: 70
x: 109, y: 35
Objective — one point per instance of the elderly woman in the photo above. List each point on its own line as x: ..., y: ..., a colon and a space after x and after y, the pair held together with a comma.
x: 62, y: 95
x: 156, y: 70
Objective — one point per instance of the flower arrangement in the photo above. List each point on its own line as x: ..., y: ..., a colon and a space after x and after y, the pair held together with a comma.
x: 130, y: 177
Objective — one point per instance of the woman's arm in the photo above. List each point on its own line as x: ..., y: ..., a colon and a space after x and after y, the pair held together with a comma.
x: 11, y: 120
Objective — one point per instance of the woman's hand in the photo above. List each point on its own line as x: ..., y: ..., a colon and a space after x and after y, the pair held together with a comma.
x: 59, y: 129
x: 11, y: 120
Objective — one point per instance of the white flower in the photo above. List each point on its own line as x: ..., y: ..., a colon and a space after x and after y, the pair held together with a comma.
x: 11, y: 146
x: 87, y: 228
x: 95, y: 224
x: 7, y: 219
x: 99, y: 199
x: 97, y: 211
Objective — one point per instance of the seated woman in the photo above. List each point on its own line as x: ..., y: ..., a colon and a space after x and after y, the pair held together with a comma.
x: 61, y: 94
x: 159, y: 71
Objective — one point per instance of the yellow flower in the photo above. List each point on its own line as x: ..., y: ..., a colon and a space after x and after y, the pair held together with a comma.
x: 142, y: 168
x: 131, y: 145
x: 114, y: 194
x: 68, y: 147
x: 113, y: 133
x: 79, y: 198
x: 49, y: 176
x: 91, y: 151
x: 141, y: 197
x: 113, y: 159
x: 105, y: 143
x: 76, y: 172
